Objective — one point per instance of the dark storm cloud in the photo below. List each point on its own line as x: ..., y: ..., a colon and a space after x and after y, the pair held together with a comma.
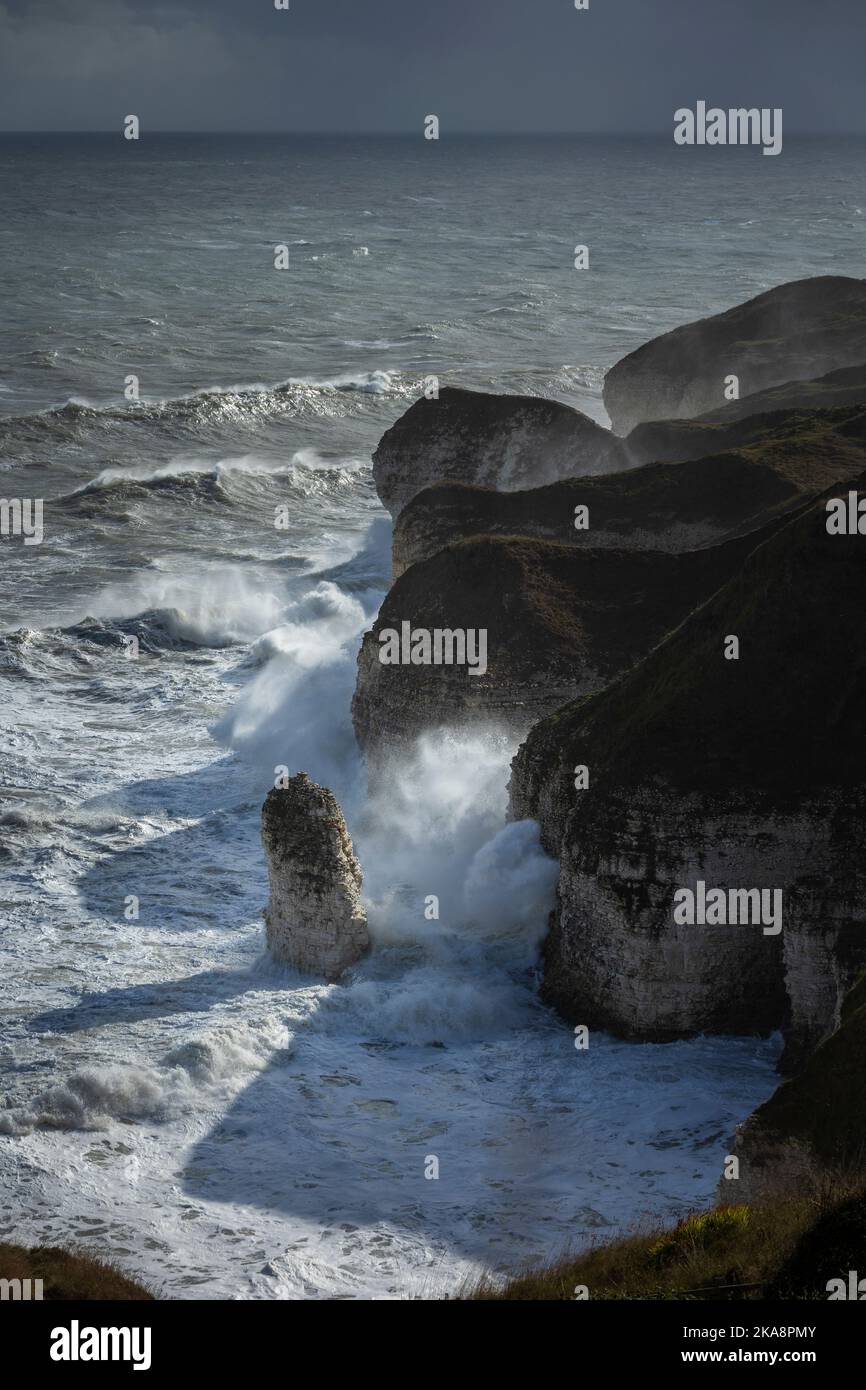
x: 345, y: 65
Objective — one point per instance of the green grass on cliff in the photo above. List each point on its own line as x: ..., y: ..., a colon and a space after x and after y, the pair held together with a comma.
x: 789, y: 715
x: 70, y: 1275
x: 785, y: 1249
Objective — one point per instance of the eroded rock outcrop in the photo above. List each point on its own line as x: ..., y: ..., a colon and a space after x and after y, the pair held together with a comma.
x: 504, y: 442
x: 559, y: 622
x: 314, y: 918
x: 798, y: 331
x: 741, y: 774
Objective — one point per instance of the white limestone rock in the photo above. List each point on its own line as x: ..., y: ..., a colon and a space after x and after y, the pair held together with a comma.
x: 314, y: 918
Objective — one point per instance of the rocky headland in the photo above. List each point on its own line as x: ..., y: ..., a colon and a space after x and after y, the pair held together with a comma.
x: 505, y: 442
x: 740, y: 773
x: 733, y: 474
x: 679, y: 639
x: 560, y: 622
x: 797, y: 331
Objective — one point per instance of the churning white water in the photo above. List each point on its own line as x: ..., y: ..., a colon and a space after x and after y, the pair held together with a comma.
x: 219, y: 1126
x: 225, y: 1128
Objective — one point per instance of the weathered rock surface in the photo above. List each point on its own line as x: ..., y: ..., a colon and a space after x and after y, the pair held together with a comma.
x: 560, y: 622
x: 797, y: 331
x: 504, y: 442
x: 743, y: 774
x: 315, y: 921
x: 814, y: 1126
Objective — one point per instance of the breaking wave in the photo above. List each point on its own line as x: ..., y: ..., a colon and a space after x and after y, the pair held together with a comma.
x: 246, y: 403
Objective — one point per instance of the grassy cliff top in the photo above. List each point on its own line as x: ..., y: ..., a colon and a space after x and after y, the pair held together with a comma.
x: 789, y: 714
x: 70, y: 1275
x: 787, y: 1248
x: 541, y: 600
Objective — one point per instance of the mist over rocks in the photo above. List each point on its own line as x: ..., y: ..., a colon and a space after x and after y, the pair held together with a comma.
x: 605, y: 651
x: 668, y: 507
x: 745, y: 774
x: 561, y: 622
x: 797, y: 331
x: 836, y: 390
x: 506, y: 442
x: 314, y: 918
x: 812, y: 447
x: 735, y: 472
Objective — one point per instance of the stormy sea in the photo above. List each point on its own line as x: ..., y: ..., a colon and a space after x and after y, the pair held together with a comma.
x: 216, y: 1124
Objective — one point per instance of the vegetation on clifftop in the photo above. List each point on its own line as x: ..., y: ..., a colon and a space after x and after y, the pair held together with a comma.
x: 687, y: 717
x: 785, y: 1249
x: 69, y: 1275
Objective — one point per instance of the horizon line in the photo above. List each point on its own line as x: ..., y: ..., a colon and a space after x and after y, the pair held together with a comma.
x: 660, y: 133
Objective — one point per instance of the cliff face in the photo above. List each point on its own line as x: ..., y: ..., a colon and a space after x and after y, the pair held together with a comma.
x: 559, y: 622
x: 796, y: 332
x: 743, y: 774
x: 314, y: 919
x: 504, y: 442
x: 815, y: 1124
x: 617, y: 958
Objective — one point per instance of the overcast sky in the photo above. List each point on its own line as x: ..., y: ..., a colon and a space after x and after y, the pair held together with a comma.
x: 382, y: 65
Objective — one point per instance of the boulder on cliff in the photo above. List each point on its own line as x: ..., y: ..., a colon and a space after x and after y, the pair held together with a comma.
x: 743, y: 774
x: 505, y: 442
x: 797, y: 331
x: 314, y: 918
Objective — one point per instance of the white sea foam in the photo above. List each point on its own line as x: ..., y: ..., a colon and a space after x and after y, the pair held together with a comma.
x: 240, y: 1131
x: 223, y: 605
x: 190, y: 1073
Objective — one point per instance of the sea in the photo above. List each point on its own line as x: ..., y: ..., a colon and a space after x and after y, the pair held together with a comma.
x: 215, y: 1124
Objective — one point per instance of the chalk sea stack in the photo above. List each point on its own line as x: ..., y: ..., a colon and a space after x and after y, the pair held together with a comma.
x: 797, y: 331
x: 505, y: 442
x: 314, y: 918
x: 743, y: 774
